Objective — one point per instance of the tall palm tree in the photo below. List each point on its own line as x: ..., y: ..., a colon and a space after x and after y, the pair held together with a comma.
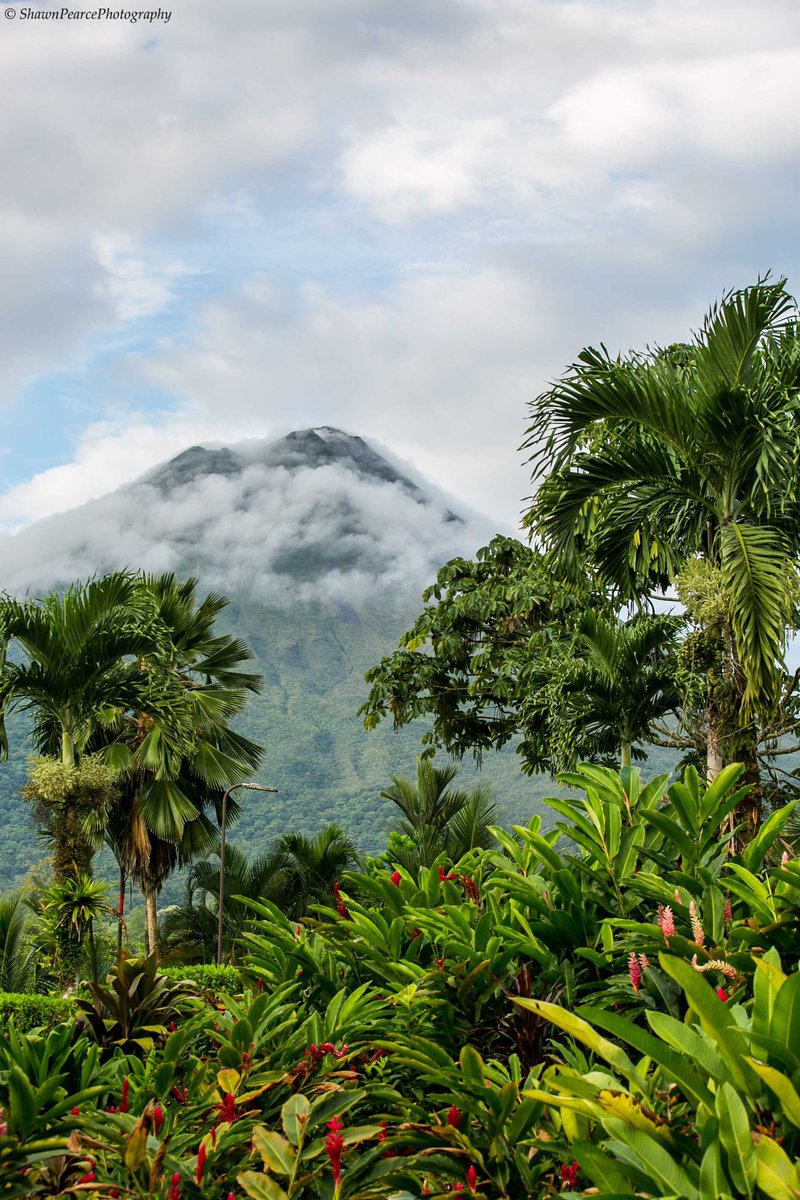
x: 438, y: 818
x: 72, y: 659
x: 657, y: 459
x: 176, y: 751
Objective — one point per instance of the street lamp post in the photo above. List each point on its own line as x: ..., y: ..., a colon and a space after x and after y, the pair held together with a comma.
x: 252, y: 787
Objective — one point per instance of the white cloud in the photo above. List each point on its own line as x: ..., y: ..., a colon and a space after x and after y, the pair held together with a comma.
x: 503, y: 183
x: 282, y: 533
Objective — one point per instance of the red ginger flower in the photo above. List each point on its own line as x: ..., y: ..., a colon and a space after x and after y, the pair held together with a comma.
x: 158, y: 1117
x: 472, y: 1178
x: 123, y: 1104
x: 723, y: 995
x: 396, y: 878
x: 76, y: 1112
x: 454, y: 1116
x: 201, y: 1163
x: 175, y: 1187
x: 569, y: 1174
x: 445, y: 878
x: 341, y: 907
x: 334, y: 1145
x: 227, y: 1109
x: 727, y: 912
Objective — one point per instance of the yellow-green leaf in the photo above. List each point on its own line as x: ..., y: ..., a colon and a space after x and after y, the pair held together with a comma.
x: 276, y: 1152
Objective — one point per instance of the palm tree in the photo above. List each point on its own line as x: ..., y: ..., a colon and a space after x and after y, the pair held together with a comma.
x: 176, y: 752
x: 76, y: 904
x: 188, y: 931
x: 653, y: 461
x: 72, y: 659
x: 16, y: 961
x: 298, y: 872
x: 609, y: 687
x: 438, y: 818
x: 308, y: 868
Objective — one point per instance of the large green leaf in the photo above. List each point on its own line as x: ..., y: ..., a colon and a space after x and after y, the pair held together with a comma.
x: 776, y: 1175
x: 737, y: 1141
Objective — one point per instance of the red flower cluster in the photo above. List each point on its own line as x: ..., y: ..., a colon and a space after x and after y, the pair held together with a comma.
x: 90, y: 1176
x: 201, y: 1164
x: 569, y: 1174
x: 341, y: 907
x: 334, y: 1145
x: 471, y: 888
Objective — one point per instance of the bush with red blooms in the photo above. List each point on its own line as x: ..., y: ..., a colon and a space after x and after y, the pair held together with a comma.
x: 525, y: 1022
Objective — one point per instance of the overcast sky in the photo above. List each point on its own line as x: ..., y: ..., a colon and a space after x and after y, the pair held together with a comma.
x: 401, y: 218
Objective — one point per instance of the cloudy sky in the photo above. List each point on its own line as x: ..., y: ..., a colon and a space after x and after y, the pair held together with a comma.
x: 401, y: 217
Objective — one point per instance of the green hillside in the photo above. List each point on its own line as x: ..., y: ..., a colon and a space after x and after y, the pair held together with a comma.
x: 325, y: 765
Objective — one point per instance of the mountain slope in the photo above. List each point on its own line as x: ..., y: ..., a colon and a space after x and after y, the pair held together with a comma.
x: 323, y: 546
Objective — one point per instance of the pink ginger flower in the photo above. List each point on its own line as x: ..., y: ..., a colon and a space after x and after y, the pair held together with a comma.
x: 698, y: 933
x: 644, y: 962
x: 635, y: 972
x: 784, y: 858
x: 666, y: 921
x: 678, y: 897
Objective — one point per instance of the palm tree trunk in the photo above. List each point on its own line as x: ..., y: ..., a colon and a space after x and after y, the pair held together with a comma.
x: 92, y: 951
x: 152, y: 920
x: 713, y: 751
x: 625, y: 757
x: 121, y: 909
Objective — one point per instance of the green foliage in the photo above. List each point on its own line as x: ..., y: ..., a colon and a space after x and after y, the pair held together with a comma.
x: 651, y: 460
x: 206, y: 977
x: 33, y: 1011
x: 711, y: 1111
x: 515, y: 645
x: 526, y: 1021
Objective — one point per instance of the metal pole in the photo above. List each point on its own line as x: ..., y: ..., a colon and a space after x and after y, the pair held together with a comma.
x: 252, y: 787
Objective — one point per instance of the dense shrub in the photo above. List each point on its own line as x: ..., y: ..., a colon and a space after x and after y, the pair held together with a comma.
x: 459, y: 1029
x: 32, y: 1011
x: 208, y: 977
